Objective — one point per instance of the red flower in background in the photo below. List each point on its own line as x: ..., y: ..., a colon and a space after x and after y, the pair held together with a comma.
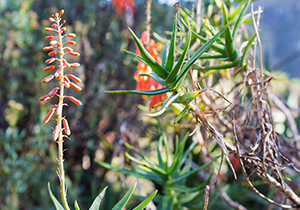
x: 122, y: 5
x: 144, y: 82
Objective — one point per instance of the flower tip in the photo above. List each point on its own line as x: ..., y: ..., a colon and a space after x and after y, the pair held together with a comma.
x: 51, y: 19
x: 61, y: 12
x: 49, y: 29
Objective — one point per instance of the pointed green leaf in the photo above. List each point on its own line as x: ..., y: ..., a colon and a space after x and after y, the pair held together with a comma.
x: 167, y: 202
x: 247, y: 48
x: 142, y: 205
x: 215, y: 46
x: 156, y: 67
x: 189, y: 197
x: 171, y: 55
x: 177, y: 157
x: 159, y: 151
x: 165, y: 105
x: 142, y: 92
x: 155, y: 77
x: 229, y: 42
x: 57, y: 205
x: 160, y: 172
x: 76, y: 205
x: 135, y: 56
x: 185, y: 175
x: 194, y: 58
x: 181, y: 114
x: 122, y: 203
x: 185, y: 154
x: 144, y: 157
x: 240, y: 18
x: 96, y: 204
x: 185, y: 189
x: 219, y: 67
x: 144, y: 175
x: 171, y: 77
x: 164, y: 55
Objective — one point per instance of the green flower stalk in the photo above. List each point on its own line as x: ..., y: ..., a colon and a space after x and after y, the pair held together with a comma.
x: 58, y: 64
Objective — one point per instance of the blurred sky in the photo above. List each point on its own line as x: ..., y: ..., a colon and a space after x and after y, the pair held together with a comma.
x: 280, y: 31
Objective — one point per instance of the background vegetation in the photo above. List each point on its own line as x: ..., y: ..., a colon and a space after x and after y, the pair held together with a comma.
x: 102, y: 125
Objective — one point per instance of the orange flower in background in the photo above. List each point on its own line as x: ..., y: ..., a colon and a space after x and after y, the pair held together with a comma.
x: 122, y: 5
x: 144, y: 82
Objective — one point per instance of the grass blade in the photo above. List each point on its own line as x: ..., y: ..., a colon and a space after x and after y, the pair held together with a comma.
x: 171, y: 55
x: 122, y: 203
x: 57, y: 205
x: 96, y: 204
x: 142, y: 92
x: 142, y: 205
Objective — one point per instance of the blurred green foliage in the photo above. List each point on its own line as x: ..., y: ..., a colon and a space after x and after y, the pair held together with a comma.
x: 100, y: 126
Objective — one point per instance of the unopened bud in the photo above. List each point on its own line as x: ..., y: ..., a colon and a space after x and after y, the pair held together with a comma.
x: 63, y: 29
x: 55, y: 133
x: 66, y: 127
x: 49, y: 68
x: 49, y: 78
x: 52, y: 53
x: 49, y: 29
x: 49, y: 115
x: 61, y: 12
x: 71, y: 35
x: 50, y: 60
x: 54, y: 42
x: 53, y: 25
x: 74, y: 65
x: 53, y: 92
x: 74, y: 53
x: 57, y: 75
x: 51, y: 19
x: 76, y: 87
x: 73, y: 77
x: 75, y: 100
x: 44, y: 98
x: 49, y: 37
x: 66, y: 84
x: 70, y: 42
x: 48, y: 48
x: 69, y: 49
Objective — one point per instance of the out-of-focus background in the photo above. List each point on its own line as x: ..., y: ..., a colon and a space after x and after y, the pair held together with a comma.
x: 99, y: 127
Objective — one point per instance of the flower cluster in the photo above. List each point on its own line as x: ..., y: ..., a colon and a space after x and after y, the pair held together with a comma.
x: 57, y: 65
x: 122, y: 5
x: 144, y: 82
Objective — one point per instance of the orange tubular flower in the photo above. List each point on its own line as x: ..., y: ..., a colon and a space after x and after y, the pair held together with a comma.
x: 144, y: 82
x: 122, y: 5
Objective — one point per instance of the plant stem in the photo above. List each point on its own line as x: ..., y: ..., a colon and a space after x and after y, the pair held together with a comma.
x: 59, y: 122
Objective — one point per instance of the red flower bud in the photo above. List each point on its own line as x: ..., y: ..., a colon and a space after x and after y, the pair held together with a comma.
x: 49, y: 68
x: 51, y: 19
x: 49, y: 78
x: 63, y: 29
x: 49, y: 37
x: 66, y: 127
x: 71, y: 35
x: 56, y: 133
x: 66, y: 84
x: 58, y: 109
x: 69, y: 49
x: 53, y: 42
x: 64, y: 21
x: 49, y: 115
x: 49, y: 29
x: 52, y: 53
x: 75, y: 100
x: 48, y: 48
x: 74, y: 65
x: 61, y: 12
x: 76, y: 87
x: 74, y: 53
x: 66, y: 79
x: 44, y: 98
x: 57, y: 75
x: 70, y: 42
x: 53, y: 92
x: 53, y: 25
x: 50, y: 60
x: 73, y: 77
